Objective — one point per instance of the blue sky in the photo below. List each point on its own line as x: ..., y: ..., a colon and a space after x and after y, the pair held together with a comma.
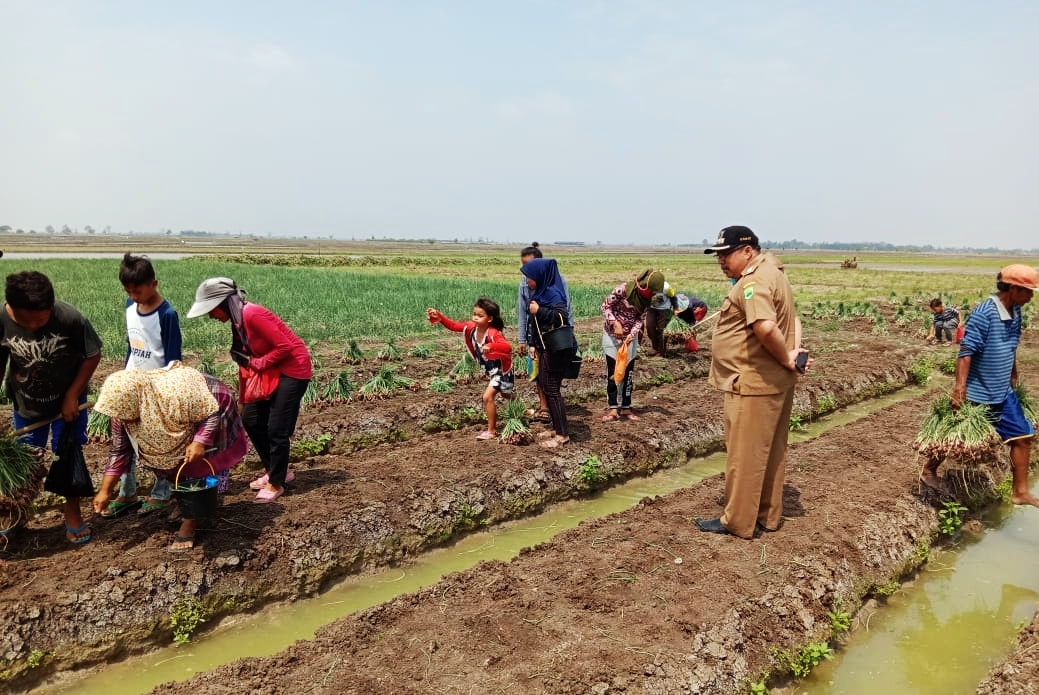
x: 613, y: 121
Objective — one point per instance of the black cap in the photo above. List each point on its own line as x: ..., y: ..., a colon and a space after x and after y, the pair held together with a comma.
x: 731, y: 237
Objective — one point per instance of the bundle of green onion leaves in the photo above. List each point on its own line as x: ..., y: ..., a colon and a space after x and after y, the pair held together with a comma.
x: 21, y: 477
x: 966, y: 433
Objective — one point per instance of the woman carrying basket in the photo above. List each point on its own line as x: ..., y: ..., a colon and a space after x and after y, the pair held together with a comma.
x: 184, y: 425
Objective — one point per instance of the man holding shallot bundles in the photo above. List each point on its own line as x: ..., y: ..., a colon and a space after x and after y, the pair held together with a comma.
x: 986, y: 372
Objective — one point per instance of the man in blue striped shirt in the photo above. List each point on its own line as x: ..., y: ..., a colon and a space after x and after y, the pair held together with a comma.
x: 986, y: 371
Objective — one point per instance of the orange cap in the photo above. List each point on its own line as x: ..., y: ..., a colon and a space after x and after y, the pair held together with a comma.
x: 1021, y: 275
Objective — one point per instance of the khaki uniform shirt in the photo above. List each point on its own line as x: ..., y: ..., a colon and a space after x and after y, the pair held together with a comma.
x: 739, y: 362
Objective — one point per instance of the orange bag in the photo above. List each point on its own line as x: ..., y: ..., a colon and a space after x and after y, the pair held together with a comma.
x: 622, y: 362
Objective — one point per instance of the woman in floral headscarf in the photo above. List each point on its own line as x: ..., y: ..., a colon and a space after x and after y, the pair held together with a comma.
x: 624, y: 312
x: 172, y: 417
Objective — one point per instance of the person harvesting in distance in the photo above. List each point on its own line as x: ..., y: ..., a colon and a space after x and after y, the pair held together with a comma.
x: 274, y: 360
x: 484, y: 341
x: 755, y: 360
x: 624, y: 312
x: 662, y: 306
x: 548, y: 310
x: 529, y: 253
x: 153, y: 341
x: 52, y: 350
x: 945, y: 321
x: 986, y: 373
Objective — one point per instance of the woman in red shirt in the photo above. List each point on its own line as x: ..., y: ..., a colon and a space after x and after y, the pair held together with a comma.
x: 274, y: 371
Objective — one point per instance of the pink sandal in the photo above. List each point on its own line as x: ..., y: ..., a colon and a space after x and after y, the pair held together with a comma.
x: 267, y: 495
x: 262, y: 481
x: 486, y: 434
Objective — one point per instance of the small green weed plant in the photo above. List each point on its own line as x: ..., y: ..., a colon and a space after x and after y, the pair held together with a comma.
x: 466, y: 368
x: 186, y: 616
x: 840, y: 619
x: 826, y: 404
x: 35, y: 659
x: 591, y: 471
x: 797, y: 423
x: 950, y: 518
x: 310, y: 446
x: 920, y: 371
x: 809, y: 656
x: 886, y: 589
x: 759, y: 688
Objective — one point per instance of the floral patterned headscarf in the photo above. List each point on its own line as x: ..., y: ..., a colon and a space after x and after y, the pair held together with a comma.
x: 160, y: 408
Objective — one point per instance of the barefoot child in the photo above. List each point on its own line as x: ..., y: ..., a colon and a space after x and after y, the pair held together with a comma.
x: 490, y: 349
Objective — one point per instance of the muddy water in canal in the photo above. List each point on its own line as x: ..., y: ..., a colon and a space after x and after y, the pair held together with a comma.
x: 274, y: 629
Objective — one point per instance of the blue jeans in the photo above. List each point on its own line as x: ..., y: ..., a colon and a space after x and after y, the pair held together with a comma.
x: 38, y: 437
x: 161, y: 489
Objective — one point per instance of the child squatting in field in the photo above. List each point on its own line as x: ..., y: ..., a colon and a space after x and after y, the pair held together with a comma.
x: 485, y: 342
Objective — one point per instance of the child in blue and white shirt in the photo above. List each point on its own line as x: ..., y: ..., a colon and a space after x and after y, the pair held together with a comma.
x: 153, y: 340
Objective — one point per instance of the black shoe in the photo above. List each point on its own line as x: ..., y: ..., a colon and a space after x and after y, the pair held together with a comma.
x: 710, y: 525
x: 762, y: 529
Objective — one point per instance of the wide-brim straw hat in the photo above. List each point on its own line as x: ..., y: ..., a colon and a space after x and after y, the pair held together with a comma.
x: 210, y: 294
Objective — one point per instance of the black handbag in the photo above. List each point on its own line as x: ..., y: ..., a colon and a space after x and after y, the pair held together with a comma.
x: 557, y: 339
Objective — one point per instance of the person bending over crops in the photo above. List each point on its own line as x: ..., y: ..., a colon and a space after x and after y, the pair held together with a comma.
x: 484, y: 341
x: 754, y: 361
x: 662, y: 306
x: 548, y: 311
x: 53, y: 351
x: 528, y: 254
x: 986, y: 372
x: 184, y: 426
x: 624, y: 312
x: 274, y: 371
x: 944, y: 320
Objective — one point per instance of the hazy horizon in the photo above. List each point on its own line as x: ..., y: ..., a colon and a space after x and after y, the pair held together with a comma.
x: 623, y: 122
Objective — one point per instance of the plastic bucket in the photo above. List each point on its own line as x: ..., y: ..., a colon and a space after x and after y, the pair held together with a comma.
x: 197, y: 503
x: 691, y: 345
x: 960, y: 330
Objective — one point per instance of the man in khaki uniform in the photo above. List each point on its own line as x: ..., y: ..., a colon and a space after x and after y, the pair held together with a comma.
x: 754, y: 361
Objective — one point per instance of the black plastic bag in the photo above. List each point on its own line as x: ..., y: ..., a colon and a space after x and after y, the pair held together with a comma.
x: 68, y: 475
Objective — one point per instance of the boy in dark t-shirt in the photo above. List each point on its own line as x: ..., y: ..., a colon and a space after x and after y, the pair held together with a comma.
x: 53, y: 351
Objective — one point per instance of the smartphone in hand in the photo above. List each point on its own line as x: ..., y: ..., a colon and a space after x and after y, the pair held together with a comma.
x: 801, y: 362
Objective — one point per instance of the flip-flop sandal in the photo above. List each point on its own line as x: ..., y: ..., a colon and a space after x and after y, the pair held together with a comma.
x: 541, y: 416
x: 630, y: 416
x: 116, y: 508
x: 553, y: 443
x: 611, y: 416
x: 182, y: 539
x: 547, y: 434
x: 72, y: 534
x: 264, y: 496
x: 151, y: 505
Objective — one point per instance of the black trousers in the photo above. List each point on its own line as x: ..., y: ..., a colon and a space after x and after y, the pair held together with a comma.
x: 625, y: 387
x: 551, y: 383
x: 270, y: 425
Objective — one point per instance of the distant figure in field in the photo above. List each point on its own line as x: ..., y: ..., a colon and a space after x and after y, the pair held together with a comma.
x: 945, y: 321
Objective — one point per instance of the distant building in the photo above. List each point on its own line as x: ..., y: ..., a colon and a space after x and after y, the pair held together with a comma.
x: 568, y: 243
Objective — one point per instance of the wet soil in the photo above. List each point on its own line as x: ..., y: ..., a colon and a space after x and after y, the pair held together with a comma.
x: 604, y: 608
x: 1018, y: 674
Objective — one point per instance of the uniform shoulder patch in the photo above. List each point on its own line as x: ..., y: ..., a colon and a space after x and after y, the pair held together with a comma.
x: 748, y: 291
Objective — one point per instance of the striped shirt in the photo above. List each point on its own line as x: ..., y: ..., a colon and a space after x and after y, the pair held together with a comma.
x: 990, y: 340
x: 949, y: 317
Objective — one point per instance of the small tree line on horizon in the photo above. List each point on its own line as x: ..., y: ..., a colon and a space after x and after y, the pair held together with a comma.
x: 789, y: 245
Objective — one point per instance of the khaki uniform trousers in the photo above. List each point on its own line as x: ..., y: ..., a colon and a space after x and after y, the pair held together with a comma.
x: 756, y: 429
